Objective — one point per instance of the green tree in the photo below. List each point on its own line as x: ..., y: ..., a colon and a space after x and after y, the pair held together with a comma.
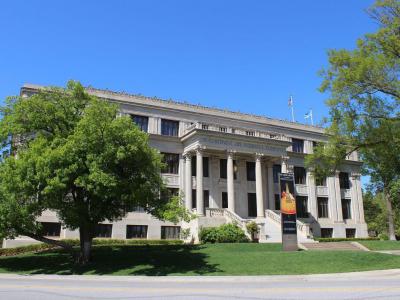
x: 74, y: 155
x: 364, y: 105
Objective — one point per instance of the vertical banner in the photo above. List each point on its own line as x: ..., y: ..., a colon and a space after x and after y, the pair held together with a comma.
x: 288, y: 212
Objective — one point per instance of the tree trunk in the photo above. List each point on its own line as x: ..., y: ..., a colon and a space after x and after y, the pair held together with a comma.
x: 391, y: 231
x: 86, y: 238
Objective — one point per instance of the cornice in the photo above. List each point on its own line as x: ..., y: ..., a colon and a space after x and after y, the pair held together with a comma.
x: 188, y: 107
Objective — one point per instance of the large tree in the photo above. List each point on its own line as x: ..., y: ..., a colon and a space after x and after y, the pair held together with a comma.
x: 364, y: 105
x: 71, y: 153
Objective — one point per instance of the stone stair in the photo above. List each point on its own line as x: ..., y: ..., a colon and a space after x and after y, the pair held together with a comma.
x: 334, y: 246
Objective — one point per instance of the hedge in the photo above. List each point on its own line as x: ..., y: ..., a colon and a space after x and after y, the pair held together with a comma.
x: 327, y: 240
x: 227, y: 233
x: 75, y: 242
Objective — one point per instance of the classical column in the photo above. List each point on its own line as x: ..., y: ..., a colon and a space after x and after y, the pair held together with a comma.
x: 312, y: 194
x: 284, y: 164
x: 338, y: 197
x: 181, y: 175
x: 199, y: 183
x: 259, y: 189
x: 271, y: 193
x: 355, y: 199
x: 229, y: 179
x: 188, y: 180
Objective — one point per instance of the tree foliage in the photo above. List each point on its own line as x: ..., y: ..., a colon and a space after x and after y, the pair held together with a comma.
x: 364, y: 104
x: 74, y: 155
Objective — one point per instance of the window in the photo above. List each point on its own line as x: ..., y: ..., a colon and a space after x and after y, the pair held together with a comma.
x: 168, y: 193
x: 320, y: 181
x: 223, y: 169
x: 277, y: 202
x: 251, y: 170
x: 171, y: 161
x: 103, y: 230
x: 314, y: 144
x: 344, y: 181
x: 194, y: 199
x: 346, y: 208
x: 277, y: 169
x: 222, y: 129
x: 323, y: 211
x: 299, y: 175
x: 297, y: 145
x: 252, y: 204
x: 326, y: 232
x: 136, y: 231
x: 51, y: 229
x: 205, y: 166
x: 206, y: 197
x: 170, y: 232
x: 301, y: 207
x: 169, y: 127
x: 250, y: 133
x: 224, y: 200
x: 350, y: 233
x: 141, y: 121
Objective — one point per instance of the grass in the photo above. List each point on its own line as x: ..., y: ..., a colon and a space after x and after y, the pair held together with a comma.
x: 381, y: 245
x: 210, y: 259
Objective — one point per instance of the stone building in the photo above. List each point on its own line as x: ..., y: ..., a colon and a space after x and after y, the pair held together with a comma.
x: 226, y: 164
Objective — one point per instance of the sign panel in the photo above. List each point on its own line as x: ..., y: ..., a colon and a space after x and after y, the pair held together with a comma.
x: 288, y: 212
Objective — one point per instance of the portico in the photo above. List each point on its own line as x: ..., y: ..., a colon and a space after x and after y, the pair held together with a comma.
x: 237, y: 150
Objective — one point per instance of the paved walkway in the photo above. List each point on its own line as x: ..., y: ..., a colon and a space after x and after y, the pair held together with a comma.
x: 360, y: 285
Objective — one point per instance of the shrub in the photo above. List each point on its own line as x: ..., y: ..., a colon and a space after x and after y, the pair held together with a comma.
x: 227, y: 233
x: 327, y: 240
x: 383, y: 237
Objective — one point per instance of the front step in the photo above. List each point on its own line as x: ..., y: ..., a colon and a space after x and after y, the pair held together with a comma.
x: 334, y: 246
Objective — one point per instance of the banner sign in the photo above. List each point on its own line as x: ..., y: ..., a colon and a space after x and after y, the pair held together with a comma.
x: 288, y: 212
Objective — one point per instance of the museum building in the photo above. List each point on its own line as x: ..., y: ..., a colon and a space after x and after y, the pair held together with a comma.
x: 226, y: 165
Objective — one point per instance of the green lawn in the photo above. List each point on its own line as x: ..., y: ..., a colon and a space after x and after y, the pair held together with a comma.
x: 381, y: 245
x: 216, y: 259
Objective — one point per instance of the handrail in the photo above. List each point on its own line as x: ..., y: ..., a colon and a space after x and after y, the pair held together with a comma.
x: 301, y: 226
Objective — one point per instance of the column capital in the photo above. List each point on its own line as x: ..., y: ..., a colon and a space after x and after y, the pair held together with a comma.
x: 187, y: 155
x: 200, y: 149
x: 258, y: 156
x: 355, y: 175
x: 230, y: 153
x: 284, y: 158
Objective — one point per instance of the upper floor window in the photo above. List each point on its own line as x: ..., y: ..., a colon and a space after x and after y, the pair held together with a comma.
x: 302, y: 207
x: 223, y: 169
x: 205, y: 166
x: 299, y: 175
x: 344, y: 180
x: 277, y: 169
x: 346, y: 208
x: 320, y: 181
x: 251, y: 170
x: 171, y: 161
x: 323, y: 209
x: 169, y: 127
x: 222, y: 129
x: 141, y: 121
x: 298, y: 145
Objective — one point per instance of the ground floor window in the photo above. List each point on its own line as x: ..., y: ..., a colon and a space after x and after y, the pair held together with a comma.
x: 194, y: 199
x: 224, y: 200
x: 136, y: 231
x: 103, y: 230
x: 350, y: 233
x: 51, y: 229
x: 323, y: 211
x: 206, y: 197
x: 252, y: 204
x: 302, y: 207
x: 170, y: 232
x: 326, y: 232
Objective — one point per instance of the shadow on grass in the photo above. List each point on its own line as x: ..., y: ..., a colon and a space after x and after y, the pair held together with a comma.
x: 122, y: 260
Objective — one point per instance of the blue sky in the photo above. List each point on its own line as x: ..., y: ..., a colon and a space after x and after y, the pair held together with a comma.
x: 246, y: 56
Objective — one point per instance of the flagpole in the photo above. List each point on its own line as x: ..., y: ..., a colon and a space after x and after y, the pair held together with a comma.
x: 312, y: 122
x: 291, y: 106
